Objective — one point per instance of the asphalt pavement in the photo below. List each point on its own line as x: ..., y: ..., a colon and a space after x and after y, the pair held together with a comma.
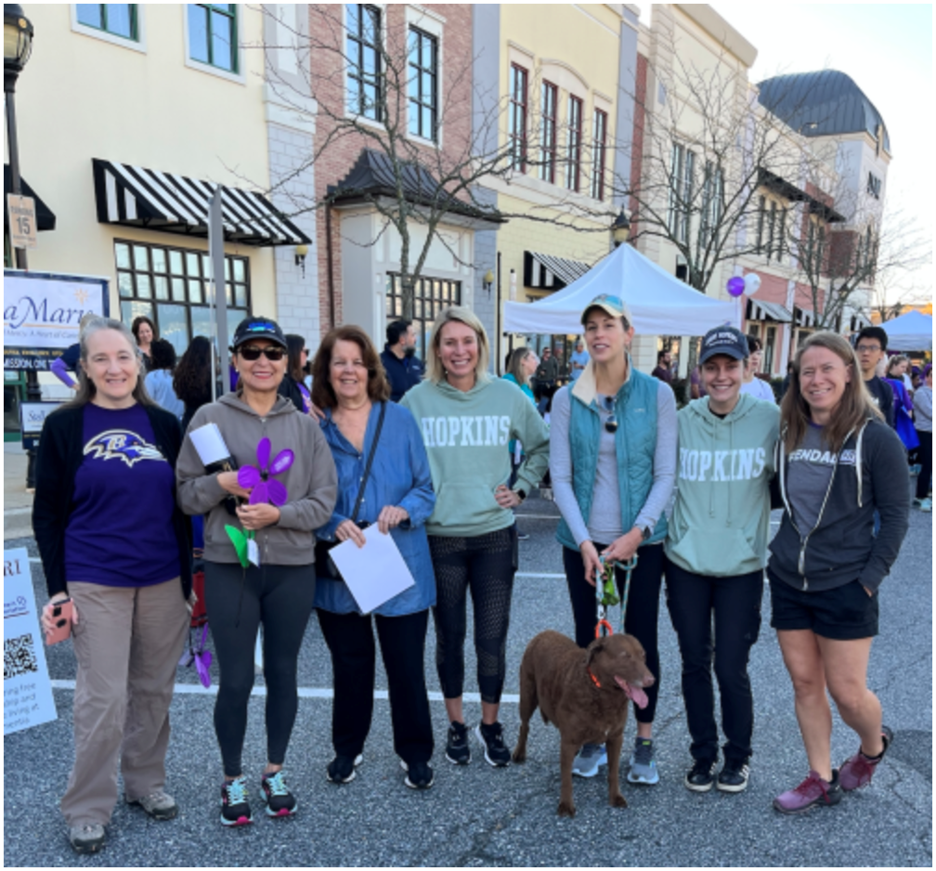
x: 480, y: 816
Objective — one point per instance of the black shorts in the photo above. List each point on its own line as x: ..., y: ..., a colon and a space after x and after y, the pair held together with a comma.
x: 843, y: 613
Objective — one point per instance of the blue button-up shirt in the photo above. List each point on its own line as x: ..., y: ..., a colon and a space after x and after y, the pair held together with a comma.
x: 399, y: 476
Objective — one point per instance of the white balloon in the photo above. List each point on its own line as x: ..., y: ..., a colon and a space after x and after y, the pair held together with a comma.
x: 751, y: 283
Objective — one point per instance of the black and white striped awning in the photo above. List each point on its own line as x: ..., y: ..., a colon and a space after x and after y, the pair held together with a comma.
x: 138, y: 197
x: 761, y: 310
x: 550, y: 273
x: 859, y: 321
x: 805, y: 317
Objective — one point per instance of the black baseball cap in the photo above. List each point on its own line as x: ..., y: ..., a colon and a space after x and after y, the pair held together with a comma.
x: 724, y: 340
x: 258, y: 328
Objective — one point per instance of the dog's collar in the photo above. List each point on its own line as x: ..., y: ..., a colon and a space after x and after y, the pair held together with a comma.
x: 592, y: 676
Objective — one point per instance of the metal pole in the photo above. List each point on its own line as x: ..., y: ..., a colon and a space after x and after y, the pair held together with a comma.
x: 33, y: 390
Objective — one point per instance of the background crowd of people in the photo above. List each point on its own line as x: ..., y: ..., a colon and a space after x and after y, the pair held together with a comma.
x: 438, y: 454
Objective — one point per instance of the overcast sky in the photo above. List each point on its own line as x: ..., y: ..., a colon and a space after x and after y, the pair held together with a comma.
x: 887, y: 50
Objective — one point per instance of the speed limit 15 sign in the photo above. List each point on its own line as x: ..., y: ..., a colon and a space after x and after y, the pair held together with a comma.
x: 22, y: 212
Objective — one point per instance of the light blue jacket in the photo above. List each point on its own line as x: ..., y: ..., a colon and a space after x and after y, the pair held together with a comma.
x: 399, y: 476
x: 635, y: 445
x: 159, y: 386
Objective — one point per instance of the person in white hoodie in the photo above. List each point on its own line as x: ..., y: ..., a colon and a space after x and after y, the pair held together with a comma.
x: 716, y: 551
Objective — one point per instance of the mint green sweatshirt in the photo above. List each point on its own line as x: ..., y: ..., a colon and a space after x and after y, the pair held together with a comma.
x: 466, y: 436
x: 721, y: 518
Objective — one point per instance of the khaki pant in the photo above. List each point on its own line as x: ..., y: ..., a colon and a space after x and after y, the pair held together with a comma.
x: 127, y: 642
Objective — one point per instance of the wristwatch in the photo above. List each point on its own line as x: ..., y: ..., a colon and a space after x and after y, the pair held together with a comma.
x: 521, y: 495
x: 645, y: 533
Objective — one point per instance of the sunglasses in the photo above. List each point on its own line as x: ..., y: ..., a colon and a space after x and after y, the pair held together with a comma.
x: 611, y: 423
x: 274, y: 355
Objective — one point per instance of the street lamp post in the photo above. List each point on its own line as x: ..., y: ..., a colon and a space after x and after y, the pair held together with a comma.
x: 17, y: 46
x: 620, y: 229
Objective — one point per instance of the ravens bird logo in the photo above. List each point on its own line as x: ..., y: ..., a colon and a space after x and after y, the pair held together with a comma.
x: 121, y: 444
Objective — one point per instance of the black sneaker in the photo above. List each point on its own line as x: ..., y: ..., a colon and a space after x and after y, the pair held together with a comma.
x: 457, y: 750
x: 496, y: 752
x: 701, y: 777
x: 734, y: 776
x: 235, y: 809
x: 280, y: 802
x: 341, y: 768
x: 418, y: 775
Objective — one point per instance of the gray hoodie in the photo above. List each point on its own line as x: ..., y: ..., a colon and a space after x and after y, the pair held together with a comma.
x: 311, y: 481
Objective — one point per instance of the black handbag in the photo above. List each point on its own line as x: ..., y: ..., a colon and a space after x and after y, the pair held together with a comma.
x: 324, y: 565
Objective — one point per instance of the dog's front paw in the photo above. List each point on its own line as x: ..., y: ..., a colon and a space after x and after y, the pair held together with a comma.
x: 618, y: 801
x: 519, y: 756
x: 566, y: 809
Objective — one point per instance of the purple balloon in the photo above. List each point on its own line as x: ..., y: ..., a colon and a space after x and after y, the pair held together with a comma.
x: 736, y: 286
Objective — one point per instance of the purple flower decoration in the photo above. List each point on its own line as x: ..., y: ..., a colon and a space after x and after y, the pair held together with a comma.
x: 262, y: 487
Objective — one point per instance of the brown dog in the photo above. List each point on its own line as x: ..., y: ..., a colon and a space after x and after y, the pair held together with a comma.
x: 585, y: 693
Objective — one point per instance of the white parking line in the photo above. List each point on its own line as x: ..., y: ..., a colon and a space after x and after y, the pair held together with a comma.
x: 188, y: 689
x: 539, y: 516
x: 10, y: 512
x: 538, y: 575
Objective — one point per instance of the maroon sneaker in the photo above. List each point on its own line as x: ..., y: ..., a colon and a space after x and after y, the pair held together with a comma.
x: 858, y: 770
x: 812, y: 791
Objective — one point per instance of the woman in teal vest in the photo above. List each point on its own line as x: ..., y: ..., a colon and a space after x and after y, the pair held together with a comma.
x: 613, y: 465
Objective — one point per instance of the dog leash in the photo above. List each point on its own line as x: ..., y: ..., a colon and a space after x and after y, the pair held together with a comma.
x: 606, y: 594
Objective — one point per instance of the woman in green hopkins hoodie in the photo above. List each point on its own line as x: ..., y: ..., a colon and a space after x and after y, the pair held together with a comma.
x: 467, y: 418
x: 716, y: 550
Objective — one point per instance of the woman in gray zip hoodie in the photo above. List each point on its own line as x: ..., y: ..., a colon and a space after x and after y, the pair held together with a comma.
x: 277, y: 588
x: 838, y: 463
x: 716, y: 550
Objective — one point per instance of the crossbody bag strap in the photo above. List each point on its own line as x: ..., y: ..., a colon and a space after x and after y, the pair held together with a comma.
x: 370, y: 462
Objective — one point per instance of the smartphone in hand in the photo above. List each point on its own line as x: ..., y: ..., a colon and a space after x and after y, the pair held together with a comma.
x: 62, y: 619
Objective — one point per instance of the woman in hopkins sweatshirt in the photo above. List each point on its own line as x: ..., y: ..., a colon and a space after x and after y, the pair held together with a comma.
x: 716, y: 550
x: 467, y: 418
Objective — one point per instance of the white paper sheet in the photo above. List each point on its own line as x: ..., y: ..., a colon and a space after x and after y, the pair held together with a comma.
x: 210, y: 444
x: 374, y: 573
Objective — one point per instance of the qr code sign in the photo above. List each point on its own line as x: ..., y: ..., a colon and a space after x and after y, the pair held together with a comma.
x: 19, y: 656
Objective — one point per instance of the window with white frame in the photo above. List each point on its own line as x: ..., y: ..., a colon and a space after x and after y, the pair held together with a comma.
x: 423, y: 84
x: 713, y: 202
x: 117, y: 19
x: 549, y: 109
x: 682, y: 170
x: 212, y: 34
x: 574, y: 161
x: 364, y: 95
x: 600, y: 135
x: 519, y: 102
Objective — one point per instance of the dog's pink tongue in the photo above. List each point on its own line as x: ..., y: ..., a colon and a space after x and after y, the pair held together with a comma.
x: 635, y: 694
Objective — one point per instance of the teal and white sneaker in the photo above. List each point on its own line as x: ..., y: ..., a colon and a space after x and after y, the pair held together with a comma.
x: 588, y: 759
x: 924, y: 504
x: 643, y: 767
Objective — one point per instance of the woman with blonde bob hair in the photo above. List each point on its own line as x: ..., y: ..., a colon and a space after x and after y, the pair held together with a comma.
x: 467, y: 419
x: 838, y: 462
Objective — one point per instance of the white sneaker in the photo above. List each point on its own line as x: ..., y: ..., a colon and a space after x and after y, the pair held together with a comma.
x: 924, y: 504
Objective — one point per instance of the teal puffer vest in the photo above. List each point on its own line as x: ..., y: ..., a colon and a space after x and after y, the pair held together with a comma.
x: 635, y: 443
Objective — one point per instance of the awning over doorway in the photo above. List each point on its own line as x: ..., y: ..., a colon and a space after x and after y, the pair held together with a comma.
x: 148, y: 198
x: 761, y: 310
x: 805, y: 317
x: 45, y: 219
x: 547, y: 272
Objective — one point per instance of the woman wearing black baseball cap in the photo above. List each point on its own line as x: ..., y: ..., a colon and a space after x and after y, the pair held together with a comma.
x: 277, y: 586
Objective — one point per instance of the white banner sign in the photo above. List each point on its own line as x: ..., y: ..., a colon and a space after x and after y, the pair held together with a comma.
x: 27, y: 691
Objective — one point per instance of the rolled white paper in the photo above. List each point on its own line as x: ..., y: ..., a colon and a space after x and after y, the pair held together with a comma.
x: 210, y: 445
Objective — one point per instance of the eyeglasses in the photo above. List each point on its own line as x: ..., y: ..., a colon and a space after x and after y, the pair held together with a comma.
x: 611, y: 423
x: 274, y: 355
x: 867, y: 349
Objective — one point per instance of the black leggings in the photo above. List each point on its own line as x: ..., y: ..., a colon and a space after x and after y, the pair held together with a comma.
x: 734, y: 604
x: 643, y: 609
x: 279, y: 597
x: 485, y: 564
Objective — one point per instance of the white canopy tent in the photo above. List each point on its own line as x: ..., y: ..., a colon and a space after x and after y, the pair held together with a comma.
x: 910, y: 332
x: 660, y: 303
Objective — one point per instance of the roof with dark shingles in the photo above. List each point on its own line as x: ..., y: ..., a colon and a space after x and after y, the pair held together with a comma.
x: 373, y: 176
x: 821, y: 103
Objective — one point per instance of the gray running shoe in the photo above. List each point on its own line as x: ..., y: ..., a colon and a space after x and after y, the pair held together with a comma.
x: 588, y: 759
x: 643, y: 767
